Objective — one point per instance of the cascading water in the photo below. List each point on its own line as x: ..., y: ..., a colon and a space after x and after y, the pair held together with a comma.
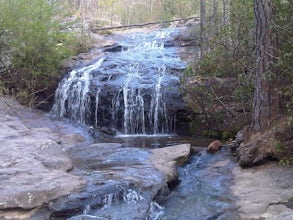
x: 134, y: 118
x: 159, y: 104
x: 125, y: 199
x: 71, y: 98
x: 131, y: 91
x: 97, y: 105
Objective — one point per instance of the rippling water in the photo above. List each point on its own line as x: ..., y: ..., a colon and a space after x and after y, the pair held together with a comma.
x: 204, y: 189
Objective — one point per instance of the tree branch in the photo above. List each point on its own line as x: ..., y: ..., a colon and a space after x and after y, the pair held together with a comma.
x: 222, y: 103
x: 144, y: 24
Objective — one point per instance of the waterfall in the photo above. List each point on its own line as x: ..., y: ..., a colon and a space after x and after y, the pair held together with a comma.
x: 71, y: 97
x: 97, y: 105
x: 134, y: 118
x: 159, y: 104
x: 127, y: 91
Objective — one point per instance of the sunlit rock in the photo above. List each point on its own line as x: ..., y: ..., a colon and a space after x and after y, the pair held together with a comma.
x: 166, y: 159
x: 264, y: 192
x: 33, y: 166
x: 214, y: 146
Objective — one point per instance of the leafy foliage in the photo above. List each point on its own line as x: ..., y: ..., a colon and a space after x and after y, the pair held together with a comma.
x: 36, y: 47
x: 229, y: 51
x: 283, y: 27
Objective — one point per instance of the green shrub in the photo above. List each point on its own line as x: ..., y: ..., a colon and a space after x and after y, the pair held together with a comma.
x: 286, y: 161
x: 37, y: 47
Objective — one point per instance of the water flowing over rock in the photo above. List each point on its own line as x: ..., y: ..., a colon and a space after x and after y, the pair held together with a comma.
x: 121, y: 182
x: 203, y: 192
x: 134, y: 88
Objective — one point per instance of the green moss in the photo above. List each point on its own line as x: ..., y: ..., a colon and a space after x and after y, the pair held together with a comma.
x: 279, y: 147
x: 212, y: 134
x: 226, y: 135
x: 287, y: 161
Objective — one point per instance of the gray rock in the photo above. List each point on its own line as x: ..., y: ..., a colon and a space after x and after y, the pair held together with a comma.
x: 262, y: 190
x: 120, y: 181
x: 33, y: 167
x: 166, y: 159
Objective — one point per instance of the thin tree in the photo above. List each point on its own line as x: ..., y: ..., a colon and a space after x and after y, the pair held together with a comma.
x: 203, y: 36
x: 215, y: 17
x: 226, y: 22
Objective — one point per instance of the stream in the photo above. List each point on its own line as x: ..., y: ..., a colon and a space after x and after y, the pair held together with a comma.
x: 130, y: 98
x: 204, y: 189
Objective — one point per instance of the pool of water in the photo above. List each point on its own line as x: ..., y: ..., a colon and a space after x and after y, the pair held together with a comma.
x: 158, y: 141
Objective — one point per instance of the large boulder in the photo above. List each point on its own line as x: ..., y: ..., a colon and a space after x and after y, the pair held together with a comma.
x: 35, y: 183
x: 274, y: 142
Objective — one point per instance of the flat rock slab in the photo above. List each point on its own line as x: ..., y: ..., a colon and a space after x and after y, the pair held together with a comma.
x: 131, y: 163
x: 33, y: 167
x: 264, y: 191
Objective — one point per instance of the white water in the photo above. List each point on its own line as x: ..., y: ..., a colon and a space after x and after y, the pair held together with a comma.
x: 134, y: 119
x: 159, y: 105
x: 129, y: 197
x: 71, y: 97
x: 155, y: 211
x: 97, y: 105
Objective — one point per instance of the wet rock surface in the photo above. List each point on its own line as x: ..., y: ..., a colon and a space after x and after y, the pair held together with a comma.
x: 215, y: 187
x: 167, y: 159
x: 105, y: 179
x: 204, y: 189
x: 121, y: 182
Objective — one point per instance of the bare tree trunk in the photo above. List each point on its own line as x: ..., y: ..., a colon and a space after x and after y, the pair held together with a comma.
x: 266, y: 100
x: 215, y: 11
x: 215, y: 17
x: 203, y: 37
x: 226, y: 18
x: 94, y: 7
x: 226, y: 22
x: 129, y: 10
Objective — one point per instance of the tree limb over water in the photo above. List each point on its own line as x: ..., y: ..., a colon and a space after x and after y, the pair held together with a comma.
x: 144, y: 24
